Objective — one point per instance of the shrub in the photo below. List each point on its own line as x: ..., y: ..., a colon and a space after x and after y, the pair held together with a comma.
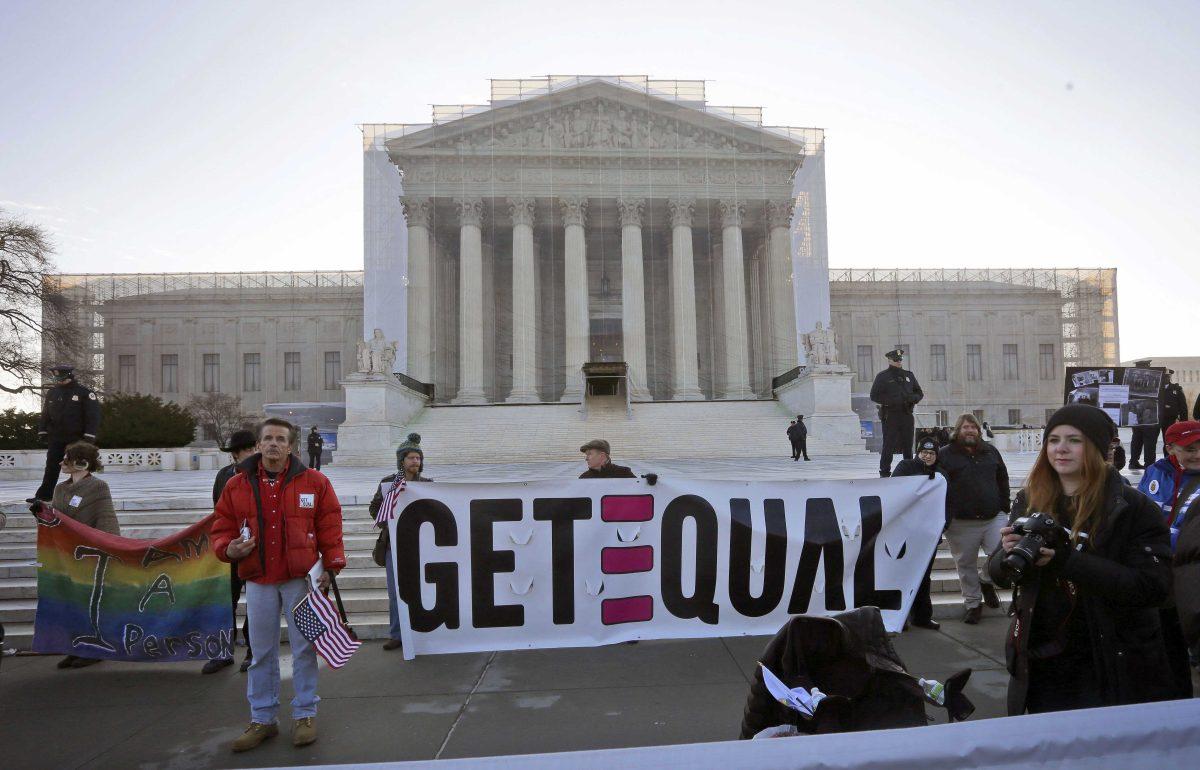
x: 129, y: 421
x: 18, y: 430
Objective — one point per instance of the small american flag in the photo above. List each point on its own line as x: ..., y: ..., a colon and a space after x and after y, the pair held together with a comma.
x: 319, y: 622
x: 389, y: 501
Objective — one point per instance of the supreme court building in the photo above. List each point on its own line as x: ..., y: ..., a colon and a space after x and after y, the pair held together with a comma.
x: 595, y: 219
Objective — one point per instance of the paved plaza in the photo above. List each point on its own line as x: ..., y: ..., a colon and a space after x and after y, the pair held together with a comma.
x: 380, y: 707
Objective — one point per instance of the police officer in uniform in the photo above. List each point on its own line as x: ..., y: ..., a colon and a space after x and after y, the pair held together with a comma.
x: 897, y: 391
x: 1172, y: 403
x: 70, y: 412
x: 316, y: 444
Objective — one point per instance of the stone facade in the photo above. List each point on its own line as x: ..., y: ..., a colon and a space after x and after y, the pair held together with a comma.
x: 596, y: 221
x: 988, y: 348
x: 990, y: 314
x: 291, y: 345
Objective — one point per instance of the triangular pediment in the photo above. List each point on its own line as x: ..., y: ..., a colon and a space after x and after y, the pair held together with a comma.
x: 596, y: 116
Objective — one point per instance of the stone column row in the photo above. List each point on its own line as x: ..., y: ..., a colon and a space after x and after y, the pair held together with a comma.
x: 685, y: 384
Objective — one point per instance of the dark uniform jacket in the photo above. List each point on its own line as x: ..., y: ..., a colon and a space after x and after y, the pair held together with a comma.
x: 70, y: 413
x: 609, y: 471
x: 797, y: 431
x: 315, y: 442
x: 978, y: 482
x: 1123, y: 576
x: 896, y: 391
x: 1172, y: 405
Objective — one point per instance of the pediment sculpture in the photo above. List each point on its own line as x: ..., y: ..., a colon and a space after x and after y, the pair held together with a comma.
x: 594, y: 124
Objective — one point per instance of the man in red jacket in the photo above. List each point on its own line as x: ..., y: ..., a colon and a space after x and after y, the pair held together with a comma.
x: 275, y: 519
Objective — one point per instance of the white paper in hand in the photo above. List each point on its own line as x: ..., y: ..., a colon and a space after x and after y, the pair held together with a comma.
x: 314, y: 574
x: 801, y: 700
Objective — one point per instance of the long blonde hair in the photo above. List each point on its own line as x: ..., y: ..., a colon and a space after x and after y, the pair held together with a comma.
x: 1044, y: 491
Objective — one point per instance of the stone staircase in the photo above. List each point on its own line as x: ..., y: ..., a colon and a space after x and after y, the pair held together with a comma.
x: 662, y: 430
x: 363, y: 585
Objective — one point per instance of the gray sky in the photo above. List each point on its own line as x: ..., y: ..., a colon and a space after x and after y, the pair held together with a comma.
x: 172, y: 136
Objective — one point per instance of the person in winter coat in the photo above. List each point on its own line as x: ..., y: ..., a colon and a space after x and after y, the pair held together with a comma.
x: 896, y: 391
x: 976, y: 501
x: 241, y: 445
x: 70, y: 412
x: 86, y: 499
x: 1172, y: 403
x: 1085, y: 630
x: 599, y: 462
x: 1185, y: 529
x: 1184, y: 438
x: 798, y: 435
x: 410, y: 460
x: 316, y: 444
x: 924, y: 464
x: 277, y: 519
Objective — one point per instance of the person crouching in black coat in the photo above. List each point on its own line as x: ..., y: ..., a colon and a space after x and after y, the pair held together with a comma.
x: 924, y: 464
x: 1086, y: 629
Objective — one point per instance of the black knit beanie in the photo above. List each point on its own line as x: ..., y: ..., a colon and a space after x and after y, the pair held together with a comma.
x: 1093, y: 422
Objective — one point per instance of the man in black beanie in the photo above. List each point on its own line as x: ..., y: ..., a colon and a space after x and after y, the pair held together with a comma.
x: 924, y: 464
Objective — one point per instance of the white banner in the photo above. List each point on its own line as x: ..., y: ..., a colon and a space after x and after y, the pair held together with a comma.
x: 589, y: 562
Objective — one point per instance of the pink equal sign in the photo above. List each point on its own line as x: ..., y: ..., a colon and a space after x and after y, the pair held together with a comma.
x: 631, y: 609
x: 627, y: 507
x: 618, y: 561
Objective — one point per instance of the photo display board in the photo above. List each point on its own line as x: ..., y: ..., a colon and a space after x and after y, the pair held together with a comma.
x: 1128, y: 393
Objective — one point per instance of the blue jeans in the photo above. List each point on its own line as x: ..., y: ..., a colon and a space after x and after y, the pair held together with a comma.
x: 264, y: 603
x: 393, y: 609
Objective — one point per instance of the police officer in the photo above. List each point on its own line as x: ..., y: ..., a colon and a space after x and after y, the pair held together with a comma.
x: 315, y: 445
x: 70, y: 412
x: 1172, y: 403
x: 897, y: 391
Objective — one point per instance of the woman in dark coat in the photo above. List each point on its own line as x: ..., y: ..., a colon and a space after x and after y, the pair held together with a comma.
x: 1086, y: 628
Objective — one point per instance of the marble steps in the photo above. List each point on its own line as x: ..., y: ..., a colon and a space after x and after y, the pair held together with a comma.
x: 543, y: 432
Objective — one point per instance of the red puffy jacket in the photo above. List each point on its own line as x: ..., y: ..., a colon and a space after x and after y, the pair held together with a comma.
x: 312, y: 519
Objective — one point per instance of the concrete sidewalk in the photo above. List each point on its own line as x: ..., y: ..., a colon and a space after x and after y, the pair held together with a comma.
x: 382, y: 708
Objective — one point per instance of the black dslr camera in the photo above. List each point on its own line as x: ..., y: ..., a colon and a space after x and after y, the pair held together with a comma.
x: 1037, y: 530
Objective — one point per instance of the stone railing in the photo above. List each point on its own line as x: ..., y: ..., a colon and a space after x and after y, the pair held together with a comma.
x: 30, y: 463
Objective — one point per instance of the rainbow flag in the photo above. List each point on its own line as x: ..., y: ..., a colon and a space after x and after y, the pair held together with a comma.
x: 103, y: 596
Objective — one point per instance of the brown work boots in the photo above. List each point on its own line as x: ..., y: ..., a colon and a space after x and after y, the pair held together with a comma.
x: 304, y: 732
x: 255, y: 734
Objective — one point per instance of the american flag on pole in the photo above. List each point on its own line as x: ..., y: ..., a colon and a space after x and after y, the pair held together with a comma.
x: 320, y: 623
x: 389, y: 500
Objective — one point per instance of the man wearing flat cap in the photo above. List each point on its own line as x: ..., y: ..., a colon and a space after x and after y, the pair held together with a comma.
x: 897, y: 391
x: 70, y: 413
x: 600, y: 465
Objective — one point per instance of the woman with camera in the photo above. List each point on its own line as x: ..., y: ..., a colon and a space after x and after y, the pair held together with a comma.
x: 1090, y: 573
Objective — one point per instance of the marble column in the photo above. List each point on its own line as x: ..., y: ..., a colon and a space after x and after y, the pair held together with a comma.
x: 470, y: 302
x: 686, y: 382
x: 733, y: 274
x: 633, y: 296
x: 574, y: 210
x: 420, y: 289
x: 784, y: 354
x: 524, y: 302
